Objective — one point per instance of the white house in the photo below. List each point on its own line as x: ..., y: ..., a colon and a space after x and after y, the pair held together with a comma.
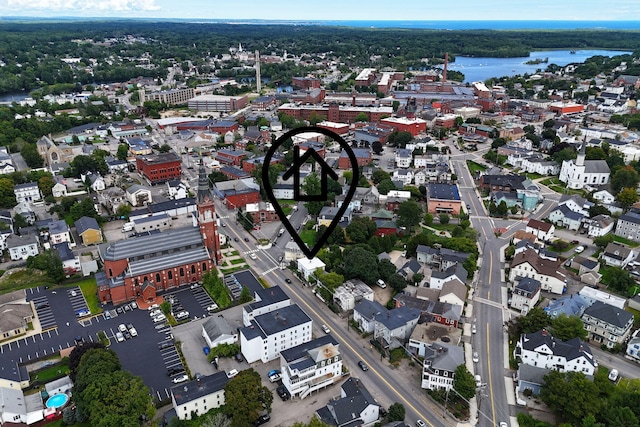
x: 60, y: 187
x: 455, y: 272
x: 139, y: 195
x: 396, y: 327
x: 617, y: 255
x: 403, y: 175
x: 351, y: 291
x: 403, y: 158
x: 633, y: 347
x: 600, y: 225
x: 177, y: 189
x: 439, y: 366
x: 526, y: 294
x: 565, y: 217
x: 216, y: 331
x: 58, y: 232
x: 576, y: 204
x: 355, y: 407
x: 200, y: 395
x: 97, y: 183
x: 311, y: 366
x: 270, y: 333
x: 547, y: 272
x: 27, y: 192
x: 365, y: 314
x: 283, y: 191
x: 535, y: 164
x: 22, y: 247
x: 580, y: 172
x: 542, y: 230
x: 542, y: 350
x: 606, y: 324
x: 264, y: 301
x: 604, y: 197
x: 308, y: 266
x: 16, y: 408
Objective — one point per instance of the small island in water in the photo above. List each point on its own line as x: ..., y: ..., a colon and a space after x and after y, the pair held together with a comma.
x: 537, y: 61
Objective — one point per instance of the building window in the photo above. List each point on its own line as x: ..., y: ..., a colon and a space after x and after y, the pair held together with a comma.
x: 181, y: 272
x: 204, y: 266
x: 193, y: 269
x: 158, y: 277
x: 170, y: 275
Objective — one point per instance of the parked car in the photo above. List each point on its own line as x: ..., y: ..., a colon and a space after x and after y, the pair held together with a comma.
x: 326, y: 329
x: 273, y: 372
x: 159, y: 318
x: 262, y: 419
x: 474, y: 329
x: 275, y: 378
x: 475, y: 357
x: 283, y: 393
x: 212, y: 307
x: 574, y: 242
x: 121, y: 327
x: 154, y: 313
x: 127, y: 335
x: 613, y: 375
x: 180, y: 379
x: 133, y: 332
x: 152, y: 306
x: 579, y: 249
x: 119, y: 336
x: 232, y: 373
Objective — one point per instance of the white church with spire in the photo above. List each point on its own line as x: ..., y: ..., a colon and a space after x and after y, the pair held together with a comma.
x: 580, y: 173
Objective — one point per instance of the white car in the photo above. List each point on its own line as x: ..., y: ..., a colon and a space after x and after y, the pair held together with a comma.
x: 121, y: 327
x: 153, y: 306
x: 326, y: 329
x: 119, y: 336
x: 474, y: 329
x: 579, y: 249
x: 253, y: 256
x: 475, y: 357
x: 154, y: 313
x: 232, y: 373
x: 212, y: 307
x: 421, y: 423
x: 613, y: 374
x: 133, y: 332
x: 159, y: 318
x: 180, y: 379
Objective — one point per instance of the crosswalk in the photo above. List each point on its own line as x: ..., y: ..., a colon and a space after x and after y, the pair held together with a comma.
x: 253, y: 251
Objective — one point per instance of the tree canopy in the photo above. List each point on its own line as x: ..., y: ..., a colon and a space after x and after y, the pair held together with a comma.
x: 245, y: 398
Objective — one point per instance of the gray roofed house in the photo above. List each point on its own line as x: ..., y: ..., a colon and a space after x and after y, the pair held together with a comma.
x: 526, y: 294
x: 607, y: 324
x: 216, y: 331
x: 628, y: 225
x: 17, y: 408
x: 395, y: 328
x: 440, y: 363
x: 617, y: 255
x: 530, y: 378
x: 366, y: 312
x: 439, y: 278
x: 356, y: 407
x: 23, y: 246
x: 89, y: 230
x: 571, y: 305
x: 265, y: 301
x: 199, y: 395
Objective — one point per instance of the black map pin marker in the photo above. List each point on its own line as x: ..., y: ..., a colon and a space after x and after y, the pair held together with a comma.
x: 325, y: 172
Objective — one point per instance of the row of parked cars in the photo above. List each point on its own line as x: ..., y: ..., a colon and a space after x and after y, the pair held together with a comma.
x: 126, y: 332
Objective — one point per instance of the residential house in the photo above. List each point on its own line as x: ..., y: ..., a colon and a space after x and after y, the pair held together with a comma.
x: 22, y: 247
x: 579, y: 173
x: 570, y: 305
x: 365, y: 313
x: 526, y: 294
x: 542, y: 350
x: 628, y: 225
x: 6, y: 162
x: 405, y: 176
x: 88, y: 230
x: 439, y: 366
x: 443, y: 198
x: 530, y: 264
x: 510, y: 199
x: 394, y: 329
x: 403, y: 158
x: 328, y: 214
x: 15, y: 314
x: 55, y: 231
x: 18, y: 409
x: 453, y: 292
x: 27, y: 192
x: 177, y: 189
x: 633, y: 347
x: 351, y: 292
x: 216, y: 331
x: 542, y: 230
x: 112, y: 198
x: 369, y: 196
x: 530, y: 378
x: 355, y: 407
x: 70, y: 262
x: 562, y: 216
x: 576, y: 203
x: 587, y: 269
x: 26, y: 212
x: 410, y: 268
x: 606, y: 324
x: 455, y: 272
x: 272, y: 332
x: 59, y: 189
x: 604, y: 197
x: 96, y: 182
x: 199, y: 396
x: 593, y: 295
x: 600, y: 225
x: 617, y: 255
x: 264, y: 301
x: 363, y: 158
x: 116, y: 165
x: 504, y: 183
x: 540, y: 166
x: 308, y: 266
x: 138, y: 195
x: 311, y: 366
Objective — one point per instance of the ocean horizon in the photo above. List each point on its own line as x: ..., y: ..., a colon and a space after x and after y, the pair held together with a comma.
x: 383, y: 24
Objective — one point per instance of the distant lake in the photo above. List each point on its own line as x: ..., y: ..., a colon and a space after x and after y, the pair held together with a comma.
x: 480, y: 69
x: 15, y: 96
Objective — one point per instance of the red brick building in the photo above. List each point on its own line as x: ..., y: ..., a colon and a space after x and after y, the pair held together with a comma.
x: 335, y: 112
x: 231, y: 157
x: 237, y: 193
x: 159, y: 168
x: 363, y: 158
x: 305, y: 83
x: 262, y: 212
x: 402, y: 124
x: 140, y: 267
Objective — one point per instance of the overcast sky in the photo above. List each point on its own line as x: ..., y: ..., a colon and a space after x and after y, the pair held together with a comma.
x: 425, y: 10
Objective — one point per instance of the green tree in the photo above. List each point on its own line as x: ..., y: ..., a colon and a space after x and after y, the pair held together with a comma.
x: 457, y: 231
x: 164, y: 148
x: 571, y: 396
x: 396, y: 412
x: 618, y: 416
x: 533, y: 321
x: 428, y: 219
x: 45, y: 184
x: 409, y: 214
x: 386, y: 269
x: 397, y: 282
x: 379, y: 175
x: 598, y: 210
x: 311, y: 187
x: 245, y: 295
x: 245, y: 398
x: 463, y: 382
x: 625, y: 177
x: 444, y: 218
x: 31, y: 156
x: 314, y: 422
x: 603, y: 241
x: 7, y: 196
x: 568, y: 327
x: 385, y: 186
x: 123, y: 210
x: 360, y: 229
x: 620, y: 280
x: 564, y: 154
x: 83, y: 208
x: 357, y: 265
x: 627, y: 197
x: 123, y: 152
x: 49, y: 263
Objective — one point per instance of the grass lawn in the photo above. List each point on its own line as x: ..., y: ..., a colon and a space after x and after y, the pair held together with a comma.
x: 23, y: 279
x: 447, y: 227
x: 627, y: 242
x: 475, y: 167
x: 52, y: 372
x: 236, y: 261
x: 89, y: 289
x: 309, y: 237
x: 533, y: 176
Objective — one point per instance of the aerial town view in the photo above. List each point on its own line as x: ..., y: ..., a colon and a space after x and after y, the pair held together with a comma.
x: 346, y: 221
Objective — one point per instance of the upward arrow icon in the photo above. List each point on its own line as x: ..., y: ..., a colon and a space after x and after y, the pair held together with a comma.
x: 294, y: 170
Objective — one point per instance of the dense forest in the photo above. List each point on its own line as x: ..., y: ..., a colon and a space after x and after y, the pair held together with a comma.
x: 112, y: 58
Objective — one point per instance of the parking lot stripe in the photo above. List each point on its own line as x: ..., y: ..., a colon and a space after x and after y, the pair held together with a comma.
x: 18, y: 344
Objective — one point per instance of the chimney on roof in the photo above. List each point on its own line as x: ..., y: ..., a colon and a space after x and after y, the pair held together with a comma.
x: 444, y: 71
x: 544, y: 332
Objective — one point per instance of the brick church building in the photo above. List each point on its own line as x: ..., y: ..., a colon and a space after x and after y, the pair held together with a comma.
x: 143, y: 266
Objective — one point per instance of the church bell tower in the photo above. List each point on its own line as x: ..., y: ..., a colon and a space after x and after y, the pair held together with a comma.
x: 207, y: 216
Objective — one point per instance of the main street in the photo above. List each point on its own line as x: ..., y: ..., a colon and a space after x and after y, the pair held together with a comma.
x: 384, y: 381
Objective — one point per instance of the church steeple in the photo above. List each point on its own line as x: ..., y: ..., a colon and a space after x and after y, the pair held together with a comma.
x: 204, y: 193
